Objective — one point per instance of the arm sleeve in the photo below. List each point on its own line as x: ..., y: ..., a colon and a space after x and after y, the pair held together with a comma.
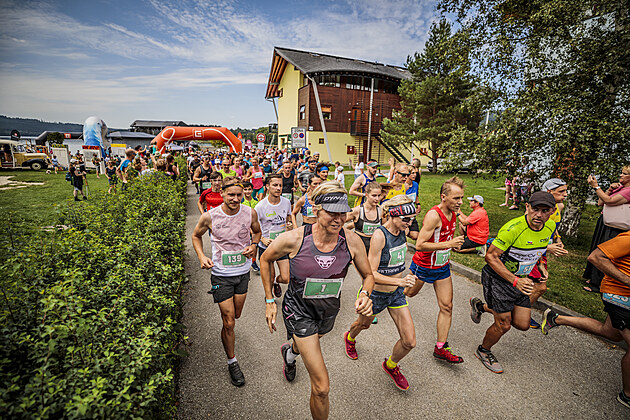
x: 617, y: 247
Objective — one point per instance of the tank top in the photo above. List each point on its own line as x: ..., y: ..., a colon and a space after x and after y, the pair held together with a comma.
x: 230, y: 235
x: 365, y: 226
x: 257, y: 178
x: 316, y: 278
x: 287, y: 187
x: 367, y: 181
x: 307, y: 208
x: 204, y: 185
x: 393, y: 254
x: 439, y: 258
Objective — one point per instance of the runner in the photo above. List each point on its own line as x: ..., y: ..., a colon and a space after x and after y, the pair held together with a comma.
x: 304, y: 172
x: 387, y: 260
x: 322, y: 171
x: 431, y: 260
x: 358, y: 186
x: 225, y: 170
x: 256, y: 175
x: 288, y: 182
x: 192, y: 168
x: 401, y: 174
x: 202, y: 174
x: 304, y: 204
x: 366, y: 218
x: 274, y: 212
x: 212, y: 197
x: 230, y: 225
x: 613, y: 259
x: 319, y: 256
x: 517, y: 248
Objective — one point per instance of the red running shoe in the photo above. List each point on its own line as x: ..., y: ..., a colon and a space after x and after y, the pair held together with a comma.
x: 445, y: 353
x: 351, y: 350
x: 399, y: 378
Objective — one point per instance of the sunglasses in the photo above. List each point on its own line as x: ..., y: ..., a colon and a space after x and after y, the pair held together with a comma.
x: 406, y: 219
x: 403, y: 174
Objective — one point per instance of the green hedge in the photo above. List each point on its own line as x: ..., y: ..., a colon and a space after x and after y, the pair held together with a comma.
x: 89, y: 314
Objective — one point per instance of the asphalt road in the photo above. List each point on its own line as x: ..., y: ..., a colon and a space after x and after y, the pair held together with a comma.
x: 565, y: 375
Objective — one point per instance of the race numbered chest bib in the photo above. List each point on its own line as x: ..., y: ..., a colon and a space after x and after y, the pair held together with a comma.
x: 309, y: 212
x: 322, y: 288
x: 258, y: 175
x: 288, y: 196
x: 397, y: 255
x: 233, y: 259
x: 275, y: 234
x: 442, y: 256
x: 206, y: 185
x: 369, y: 228
x: 524, y: 268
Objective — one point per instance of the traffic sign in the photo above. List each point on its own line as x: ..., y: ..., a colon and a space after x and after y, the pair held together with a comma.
x: 298, y: 136
x: 260, y: 137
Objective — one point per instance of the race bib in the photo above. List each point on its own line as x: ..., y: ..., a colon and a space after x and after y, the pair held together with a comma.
x: 287, y: 196
x: 442, y: 256
x: 205, y: 185
x: 258, y: 175
x: 322, y: 288
x: 274, y: 235
x: 233, y: 259
x: 309, y: 211
x: 618, y: 300
x: 397, y: 255
x: 524, y: 268
x: 370, y: 228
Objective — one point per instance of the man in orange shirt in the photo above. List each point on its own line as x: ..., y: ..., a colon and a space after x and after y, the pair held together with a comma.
x: 475, y: 227
x: 613, y: 259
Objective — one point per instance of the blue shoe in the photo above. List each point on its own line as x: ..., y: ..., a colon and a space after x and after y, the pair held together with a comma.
x: 255, y: 266
x: 533, y: 324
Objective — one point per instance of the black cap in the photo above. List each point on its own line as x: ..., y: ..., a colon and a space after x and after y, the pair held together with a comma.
x: 542, y: 198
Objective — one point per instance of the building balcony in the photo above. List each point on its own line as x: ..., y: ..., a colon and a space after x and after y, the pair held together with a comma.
x: 361, y: 127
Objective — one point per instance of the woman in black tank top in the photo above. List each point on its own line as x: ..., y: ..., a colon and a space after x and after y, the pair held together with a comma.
x: 366, y: 218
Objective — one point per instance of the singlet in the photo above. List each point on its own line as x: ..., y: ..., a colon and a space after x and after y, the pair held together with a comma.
x: 204, y: 185
x: 393, y: 253
x: 257, y: 178
x: 393, y: 193
x: 230, y: 236
x: 439, y: 258
x: 272, y: 218
x: 365, y: 226
x: 307, y: 208
x: 249, y: 203
x: 212, y: 199
x: 522, y: 247
x: 316, y: 278
x: 367, y: 181
x: 287, y: 187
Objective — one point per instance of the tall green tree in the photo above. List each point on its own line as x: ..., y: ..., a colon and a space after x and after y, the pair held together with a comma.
x: 55, y: 138
x: 562, y: 69
x: 441, y: 97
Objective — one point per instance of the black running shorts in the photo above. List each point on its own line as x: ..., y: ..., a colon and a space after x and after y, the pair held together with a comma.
x: 619, y: 317
x: 500, y: 295
x: 224, y: 288
x: 302, y: 326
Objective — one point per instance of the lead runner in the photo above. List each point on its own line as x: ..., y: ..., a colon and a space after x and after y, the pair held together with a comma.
x: 319, y: 256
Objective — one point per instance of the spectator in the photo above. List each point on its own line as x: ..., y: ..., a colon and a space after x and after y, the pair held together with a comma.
x: 123, y: 169
x: 475, y: 227
x: 55, y: 163
x: 359, y: 168
x: 77, y: 179
x: 112, y: 179
x: 339, y: 175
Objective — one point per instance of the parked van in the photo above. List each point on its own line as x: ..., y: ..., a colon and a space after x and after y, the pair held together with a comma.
x: 14, y: 155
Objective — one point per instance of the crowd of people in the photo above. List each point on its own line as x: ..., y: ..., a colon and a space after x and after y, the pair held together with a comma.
x: 289, y: 217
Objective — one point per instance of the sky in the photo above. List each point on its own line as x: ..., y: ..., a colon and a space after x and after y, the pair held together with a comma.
x: 199, y: 61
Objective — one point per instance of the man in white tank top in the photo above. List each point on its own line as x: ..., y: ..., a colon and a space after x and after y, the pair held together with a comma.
x: 232, y: 252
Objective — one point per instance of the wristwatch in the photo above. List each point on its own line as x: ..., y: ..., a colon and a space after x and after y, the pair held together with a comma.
x: 366, y: 293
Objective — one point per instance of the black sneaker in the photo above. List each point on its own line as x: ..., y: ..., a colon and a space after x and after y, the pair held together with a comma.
x: 236, y: 375
x: 549, y: 321
x: 288, y: 369
x: 623, y: 399
x: 277, y: 290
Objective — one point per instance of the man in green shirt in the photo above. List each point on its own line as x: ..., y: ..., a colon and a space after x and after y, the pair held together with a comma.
x: 515, y: 251
x: 225, y: 169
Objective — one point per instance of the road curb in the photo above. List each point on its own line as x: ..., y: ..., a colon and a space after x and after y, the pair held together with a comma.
x: 541, y: 305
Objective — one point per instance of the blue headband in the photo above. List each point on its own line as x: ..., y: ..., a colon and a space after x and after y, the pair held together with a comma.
x: 324, y: 168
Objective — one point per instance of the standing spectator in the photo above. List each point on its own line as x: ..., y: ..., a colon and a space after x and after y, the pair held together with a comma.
x: 614, y: 201
x: 123, y: 169
x: 96, y: 161
x: 359, y: 168
x: 77, y: 179
x: 171, y: 167
x: 340, y: 176
x: 55, y: 163
x: 475, y: 227
x: 417, y: 170
x: 112, y: 179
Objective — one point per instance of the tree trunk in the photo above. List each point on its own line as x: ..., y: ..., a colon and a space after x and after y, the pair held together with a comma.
x: 575, y: 204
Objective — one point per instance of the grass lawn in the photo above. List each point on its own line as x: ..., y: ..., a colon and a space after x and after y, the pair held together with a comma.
x: 39, y: 205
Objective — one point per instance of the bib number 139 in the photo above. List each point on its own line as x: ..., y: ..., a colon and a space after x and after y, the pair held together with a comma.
x: 233, y: 259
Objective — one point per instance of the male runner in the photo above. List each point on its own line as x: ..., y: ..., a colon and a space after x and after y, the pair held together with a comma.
x: 319, y: 257
x: 431, y: 261
x: 274, y: 214
x: 358, y: 186
x: 230, y: 225
x: 308, y: 170
x: 202, y: 174
x: 613, y: 259
x: 288, y: 181
x: 397, y: 182
x: 387, y: 259
x: 513, y: 254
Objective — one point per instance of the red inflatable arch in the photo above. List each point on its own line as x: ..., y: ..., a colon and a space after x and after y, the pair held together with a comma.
x: 170, y: 134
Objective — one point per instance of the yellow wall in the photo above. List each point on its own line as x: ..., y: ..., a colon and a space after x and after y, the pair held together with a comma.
x: 288, y: 103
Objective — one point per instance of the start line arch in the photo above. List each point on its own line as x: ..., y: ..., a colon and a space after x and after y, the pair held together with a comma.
x: 170, y: 134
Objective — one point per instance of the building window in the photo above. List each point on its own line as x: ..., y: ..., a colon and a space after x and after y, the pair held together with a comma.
x: 326, y: 112
x: 303, y: 112
x: 321, y: 141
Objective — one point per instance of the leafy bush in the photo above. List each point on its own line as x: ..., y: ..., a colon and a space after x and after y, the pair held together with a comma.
x: 88, y: 318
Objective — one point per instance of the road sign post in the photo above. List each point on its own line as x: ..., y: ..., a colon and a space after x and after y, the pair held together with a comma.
x: 298, y: 137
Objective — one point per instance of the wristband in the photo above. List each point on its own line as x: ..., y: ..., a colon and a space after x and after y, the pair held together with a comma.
x: 366, y: 293
x: 598, y: 188
x: 515, y: 281
x: 270, y: 301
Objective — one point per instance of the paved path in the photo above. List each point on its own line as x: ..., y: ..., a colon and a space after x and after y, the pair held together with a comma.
x: 564, y: 375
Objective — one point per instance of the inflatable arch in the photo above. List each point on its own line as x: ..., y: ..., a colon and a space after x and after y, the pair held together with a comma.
x: 170, y: 134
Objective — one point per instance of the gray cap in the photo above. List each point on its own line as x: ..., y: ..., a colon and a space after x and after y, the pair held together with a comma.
x: 552, y: 184
x: 477, y: 198
x: 336, y: 202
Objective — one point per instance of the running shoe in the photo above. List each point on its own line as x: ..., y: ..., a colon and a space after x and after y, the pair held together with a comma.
x: 375, y: 320
x: 288, y: 369
x: 351, y: 350
x: 621, y: 397
x: 255, y: 266
x: 277, y: 290
x: 488, y: 360
x: 533, y: 324
x: 236, y: 375
x: 445, y: 353
x: 549, y: 321
x: 476, y: 309
x: 399, y: 378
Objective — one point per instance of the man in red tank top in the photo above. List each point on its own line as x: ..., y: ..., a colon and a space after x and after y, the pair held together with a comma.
x: 431, y: 263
